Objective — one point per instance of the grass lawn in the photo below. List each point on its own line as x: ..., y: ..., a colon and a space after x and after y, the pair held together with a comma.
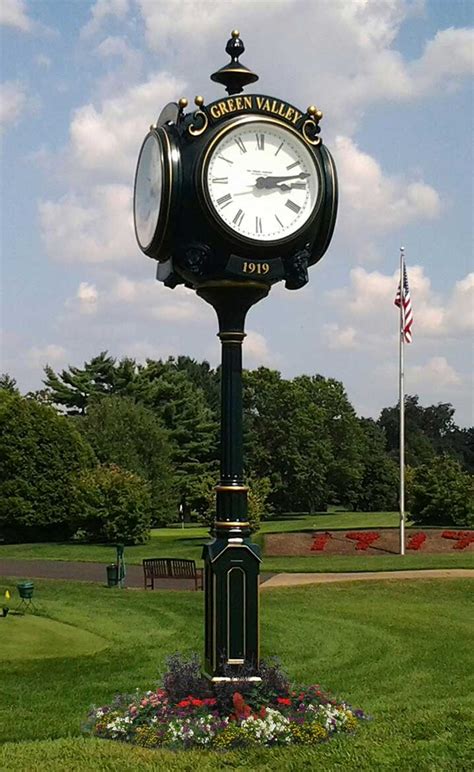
x: 187, y: 543
x: 401, y: 651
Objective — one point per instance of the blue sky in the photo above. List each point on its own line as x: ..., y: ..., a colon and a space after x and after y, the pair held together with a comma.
x: 81, y: 83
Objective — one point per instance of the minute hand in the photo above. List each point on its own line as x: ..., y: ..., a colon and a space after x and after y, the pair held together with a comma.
x: 272, y: 182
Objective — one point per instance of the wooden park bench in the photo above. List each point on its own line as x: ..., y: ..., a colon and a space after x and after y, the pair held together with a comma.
x: 170, y: 568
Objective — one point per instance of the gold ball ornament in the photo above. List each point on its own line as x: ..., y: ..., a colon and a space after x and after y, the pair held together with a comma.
x: 183, y: 102
x: 235, y: 33
x: 199, y: 101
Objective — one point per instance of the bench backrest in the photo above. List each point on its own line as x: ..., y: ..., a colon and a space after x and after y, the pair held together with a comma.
x: 156, y: 566
x: 183, y: 568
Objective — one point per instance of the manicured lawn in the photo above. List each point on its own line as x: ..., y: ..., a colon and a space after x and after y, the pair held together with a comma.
x: 402, y: 651
x: 187, y: 543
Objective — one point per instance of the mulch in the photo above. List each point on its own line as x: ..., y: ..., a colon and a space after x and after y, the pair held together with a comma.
x: 302, y: 543
x: 87, y: 572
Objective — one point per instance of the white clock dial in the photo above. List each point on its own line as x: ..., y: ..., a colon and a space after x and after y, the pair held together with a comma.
x: 262, y: 181
x: 148, y: 190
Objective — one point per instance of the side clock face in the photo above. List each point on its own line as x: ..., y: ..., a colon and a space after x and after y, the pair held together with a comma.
x: 156, y: 185
x: 261, y: 182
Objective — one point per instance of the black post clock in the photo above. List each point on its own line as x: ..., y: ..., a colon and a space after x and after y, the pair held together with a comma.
x: 231, y: 198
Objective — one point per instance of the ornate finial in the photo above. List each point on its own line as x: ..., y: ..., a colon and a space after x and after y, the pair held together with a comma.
x: 314, y: 112
x: 234, y: 76
x: 198, y: 101
x: 183, y: 102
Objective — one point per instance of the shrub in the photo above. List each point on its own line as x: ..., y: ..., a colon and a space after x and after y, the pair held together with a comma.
x: 113, y: 505
x: 40, y: 453
x: 441, y: 493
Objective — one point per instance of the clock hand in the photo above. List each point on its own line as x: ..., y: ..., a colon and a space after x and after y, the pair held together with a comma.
x: 300, y: 185
x: 272, y: 182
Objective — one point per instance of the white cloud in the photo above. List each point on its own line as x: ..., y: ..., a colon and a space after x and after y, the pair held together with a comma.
x: 436, y: 372
x: 447, y: 57
x: 256, y: 351
x: 96, y: 228
x: 12, y: 102
x: 13, y: 14
x: 103, y: 10
x: 378, y: 202
x: 367, y: 306
x: 340, y: 337
x: 52, y: 354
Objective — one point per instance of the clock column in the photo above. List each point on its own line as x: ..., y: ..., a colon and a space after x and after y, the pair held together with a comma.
x: 232, y: 561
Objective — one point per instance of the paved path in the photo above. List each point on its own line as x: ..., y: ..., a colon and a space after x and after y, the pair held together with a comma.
x: 86, y: 572
x: 293, y: 580
x: 95, y: 572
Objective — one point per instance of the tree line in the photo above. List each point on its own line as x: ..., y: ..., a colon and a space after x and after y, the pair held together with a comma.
x: 107, y: 449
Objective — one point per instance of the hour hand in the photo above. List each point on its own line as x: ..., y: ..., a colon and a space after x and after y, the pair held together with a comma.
x: 298, y: 185
x: 273, y: 182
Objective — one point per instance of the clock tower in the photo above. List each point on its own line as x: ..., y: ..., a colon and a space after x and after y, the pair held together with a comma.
x: 231, y: 198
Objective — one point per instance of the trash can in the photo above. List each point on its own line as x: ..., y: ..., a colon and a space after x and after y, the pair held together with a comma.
x: 25, y: 590
x: 112, y: 575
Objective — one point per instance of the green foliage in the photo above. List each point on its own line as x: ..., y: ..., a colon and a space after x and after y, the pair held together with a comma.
x: 75, y: 387
x: 442, y: 494
x: 378, y: 486
x: 40, y: 452
x: 182, y: 409
x: 7, y: 383
x: 112, y: 505
x: 127, y: 434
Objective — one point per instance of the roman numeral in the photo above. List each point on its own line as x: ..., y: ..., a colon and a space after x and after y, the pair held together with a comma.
x: 225, y: 159
x: 292, y: 166
x: 240, y: 145
x: 279, y: 148
x: 238, y: 218
x: 279, y: 221
x: 260, y: 141
x: 224, y: 180
x: 299, y: 185
x: 291, y: 205
x: 224, y: 201
x: 258, y: 225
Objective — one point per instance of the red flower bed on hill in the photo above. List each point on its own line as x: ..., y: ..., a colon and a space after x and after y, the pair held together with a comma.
x: 320, y: 542
x: 416, y: 541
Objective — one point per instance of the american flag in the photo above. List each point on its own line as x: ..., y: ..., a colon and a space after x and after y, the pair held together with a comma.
x: 403, y: 301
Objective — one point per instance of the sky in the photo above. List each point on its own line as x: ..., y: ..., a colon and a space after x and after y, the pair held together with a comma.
x: 82, y: 82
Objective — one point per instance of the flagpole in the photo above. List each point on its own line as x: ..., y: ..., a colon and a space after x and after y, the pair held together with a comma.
x: 402, y: 411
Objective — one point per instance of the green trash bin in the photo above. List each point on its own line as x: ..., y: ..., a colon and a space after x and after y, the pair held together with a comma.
x: 25, y: 590
x: 112, y: 575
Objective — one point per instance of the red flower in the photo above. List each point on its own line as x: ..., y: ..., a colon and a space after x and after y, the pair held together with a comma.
x: 283, y: 701
x: 242, y: 710
x: 262, y: 712
x: 184, y: 704
x: 416, y: 541
x: 463, y: 538
x: 363, y: 538
x: 320, y: 541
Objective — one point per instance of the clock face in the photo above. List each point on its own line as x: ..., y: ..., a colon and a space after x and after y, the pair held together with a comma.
x: 262, y: 182
x: 148, y: 190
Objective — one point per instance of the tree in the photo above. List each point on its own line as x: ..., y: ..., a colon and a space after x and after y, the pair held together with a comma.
x: 192, y: 429
x: 131, y: 436
x: 112, y: 505
x: 7, y: 383
x: 442, y: 494
x: 39, y: 453
x: 284, y: 441
x: 76, y: 387
x: 379, y: 484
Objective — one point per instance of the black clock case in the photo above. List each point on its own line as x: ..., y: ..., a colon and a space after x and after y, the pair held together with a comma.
x: 196, y: 247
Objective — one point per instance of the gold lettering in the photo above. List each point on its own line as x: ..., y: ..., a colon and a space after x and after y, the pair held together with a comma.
x: 281, y: 109
x: 297, y: 117
x: 289, y: 114
x: 215, y: 112
x: 231, y: 105
x: 223, y: 107
x: 266, y: 105
x: 273, y: 108
x: 238, y: 102
x: 259, y: 102
x: 247, y: 102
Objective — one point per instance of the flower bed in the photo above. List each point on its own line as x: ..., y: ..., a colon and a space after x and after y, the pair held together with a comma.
x: 363, y: 538
x: 462, y: 538
x: 320, y: 542
x: 225, y: 715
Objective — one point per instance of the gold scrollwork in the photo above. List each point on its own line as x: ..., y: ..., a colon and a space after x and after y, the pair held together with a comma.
x: 309, y: 128
x: 199, y: 115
